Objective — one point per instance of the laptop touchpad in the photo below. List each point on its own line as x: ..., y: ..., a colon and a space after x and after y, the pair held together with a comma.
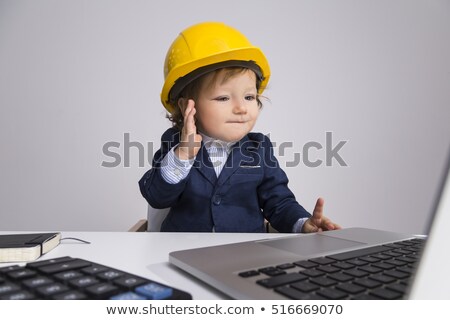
x: 310, y: 244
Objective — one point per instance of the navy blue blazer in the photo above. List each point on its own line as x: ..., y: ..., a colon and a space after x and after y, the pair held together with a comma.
x: 251, y: 187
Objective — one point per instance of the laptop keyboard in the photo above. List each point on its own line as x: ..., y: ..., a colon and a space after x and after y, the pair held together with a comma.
x: 380, y: 272
x: 68, y: 278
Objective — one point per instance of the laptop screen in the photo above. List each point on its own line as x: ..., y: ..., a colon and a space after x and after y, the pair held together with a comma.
x: 432, y: 279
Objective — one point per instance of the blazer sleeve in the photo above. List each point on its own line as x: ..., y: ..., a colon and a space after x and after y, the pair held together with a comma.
x: 277, y: 201
x: 159, y: 193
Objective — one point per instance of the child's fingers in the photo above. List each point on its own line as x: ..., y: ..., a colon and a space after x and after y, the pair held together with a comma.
x: 336, y: 226
x: 189, y: 129
x: 327, y: 224
x: 309, y: 227
x: 318, y: 210
x: 189, y: 120
x: 190, y: 141
x: 318, y: 222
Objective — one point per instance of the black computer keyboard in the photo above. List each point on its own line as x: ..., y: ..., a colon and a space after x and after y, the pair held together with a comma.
x: 380, y: 272
x: 71, y: 278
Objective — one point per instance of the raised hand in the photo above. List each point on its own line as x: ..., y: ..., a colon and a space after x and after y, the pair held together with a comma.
x: 190, y: 141
x: 318, y: 222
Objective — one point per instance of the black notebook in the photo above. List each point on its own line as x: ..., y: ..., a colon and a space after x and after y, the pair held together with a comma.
x: 27, y: 247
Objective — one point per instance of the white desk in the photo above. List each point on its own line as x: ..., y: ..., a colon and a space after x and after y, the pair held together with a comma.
x: 146, y: 254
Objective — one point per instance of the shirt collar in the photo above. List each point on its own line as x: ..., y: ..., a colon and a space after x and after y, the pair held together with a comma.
x: 216, y: 143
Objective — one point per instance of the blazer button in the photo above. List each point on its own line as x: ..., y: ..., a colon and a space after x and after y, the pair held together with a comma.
x: 217, y: 199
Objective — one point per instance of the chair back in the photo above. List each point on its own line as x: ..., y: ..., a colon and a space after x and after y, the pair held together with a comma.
x: 155, y: 217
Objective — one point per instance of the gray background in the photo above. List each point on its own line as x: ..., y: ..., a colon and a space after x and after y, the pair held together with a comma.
x: 75, y: 75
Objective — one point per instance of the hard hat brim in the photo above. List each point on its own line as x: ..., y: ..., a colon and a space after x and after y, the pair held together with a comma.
x: 252, y: 54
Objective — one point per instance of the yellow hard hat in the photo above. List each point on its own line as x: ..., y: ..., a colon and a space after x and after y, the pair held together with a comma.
x: 205, y: 47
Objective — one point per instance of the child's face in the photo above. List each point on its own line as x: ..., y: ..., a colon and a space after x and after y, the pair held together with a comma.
x: 227, y: 110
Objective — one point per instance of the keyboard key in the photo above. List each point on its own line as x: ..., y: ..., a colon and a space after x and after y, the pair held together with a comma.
x: 358, y: 253
x: 70, y: 295
x: 341, y: 277
x: 109, y: 275
x: 128, y: 296
x: 94, y: 269
x: 8, y: 269
x: 406, y: 259
x: 21, y: 274
x: 416, y: 249
x: 368, y: 283
x: 37, y: 282
x: 409, y: 243
x: 403, y: 251
x: 382, y: 278
x: 343, y: 265
x: 275, y: 272
x: 63, y: 266
x: 395, y: 262
x: 247, y: 274
x: 383, y: 265
x: 365, y: 296
x: 392, y: 254
x: 356, y: 273
x: 281, y: 280
x: 370, y: 269
x: 51, y: 289
x: 328, y: 269
x: 397, y: 274
x: 350, y: 288
x: 268, y: 270
x: 18, y: 295
x: 406, y: 269
x: 102, y: 290
x: 305, y: 286
x: 296, y: 294
x: 7, y: 288
x: 394, y: 245
x: 68, y: 275
x: 332, y: 294
x: 285, y: 266
x: 323, y: 281
x: 397, y: 287
x: 369, y: 259
x: 386, y: 294
x: 357, y: 262
x: 322, y: 261
x: 129, y: 281
x: 83, y: 282
x: 312, y: 272
x: 381, y: 256
x: 37, y: 264
x: 305, y: 264
x: 154, y: 291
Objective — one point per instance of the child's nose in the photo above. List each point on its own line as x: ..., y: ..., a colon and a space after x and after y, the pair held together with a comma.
x: 240, y: 107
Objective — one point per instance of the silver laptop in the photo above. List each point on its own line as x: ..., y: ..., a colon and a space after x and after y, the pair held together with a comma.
x: 353, y: 263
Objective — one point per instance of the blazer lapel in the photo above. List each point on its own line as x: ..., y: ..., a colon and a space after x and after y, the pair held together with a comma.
x: 204, y: 165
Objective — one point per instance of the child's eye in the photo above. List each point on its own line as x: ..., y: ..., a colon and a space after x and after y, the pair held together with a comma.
x: 250, y: 97
x: 222, y: 99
